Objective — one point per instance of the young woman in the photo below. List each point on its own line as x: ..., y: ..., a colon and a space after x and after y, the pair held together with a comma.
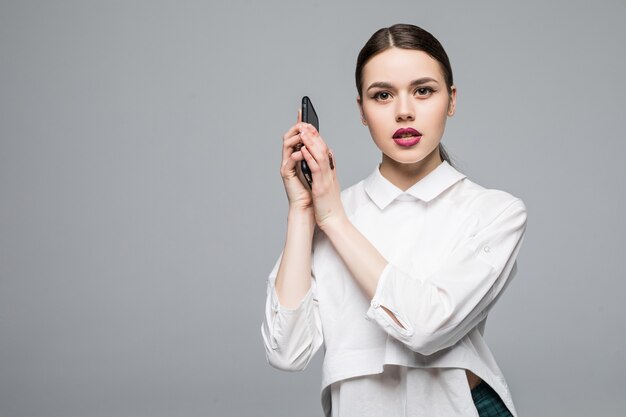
x: 395, y: 275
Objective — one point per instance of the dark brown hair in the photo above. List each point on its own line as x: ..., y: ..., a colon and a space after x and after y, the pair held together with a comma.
x: 405, y: 36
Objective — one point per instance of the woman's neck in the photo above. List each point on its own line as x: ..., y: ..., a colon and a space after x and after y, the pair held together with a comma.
x: 404, y: 176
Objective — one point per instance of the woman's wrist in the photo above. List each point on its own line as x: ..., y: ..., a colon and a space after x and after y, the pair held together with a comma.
x: 301, y: 215
x: 334, y: 223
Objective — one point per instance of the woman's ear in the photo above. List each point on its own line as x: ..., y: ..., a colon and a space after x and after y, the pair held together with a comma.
x: 360, y: 103
x: 452, y: 102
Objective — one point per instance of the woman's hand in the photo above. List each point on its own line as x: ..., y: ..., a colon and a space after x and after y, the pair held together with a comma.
x: 326, y: 192
x: 298, y: 195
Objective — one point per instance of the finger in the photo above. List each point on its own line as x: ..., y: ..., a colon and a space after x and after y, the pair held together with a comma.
x: 304, y: 126
x: 297, y: 128
x: 291, y: 150
x: 293, y: 130
x: 292, y: 141
x: 287, y: 167
x: 291, y: 165
x: 289, y: 147
x: 287, y: 158
x: 313, y: 164
x: 316, y: 145
x: 311, y: 132
x: 309, y: 128
x: 297, y: 156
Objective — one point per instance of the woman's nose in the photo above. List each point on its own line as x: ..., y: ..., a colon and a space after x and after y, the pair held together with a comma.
x: 404, y: 109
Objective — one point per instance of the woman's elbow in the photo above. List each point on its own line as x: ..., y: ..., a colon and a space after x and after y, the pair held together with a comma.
x: 427, y: 343
x: 290, y: 362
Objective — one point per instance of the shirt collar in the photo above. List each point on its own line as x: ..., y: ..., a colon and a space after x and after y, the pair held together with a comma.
x: 383, y: 192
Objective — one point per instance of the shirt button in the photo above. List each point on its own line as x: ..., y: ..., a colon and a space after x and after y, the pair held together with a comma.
x: 375, y: 304
x: 487, y: 249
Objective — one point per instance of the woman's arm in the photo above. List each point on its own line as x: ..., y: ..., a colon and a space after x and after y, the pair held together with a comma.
x: 360, y: 256
x: 427, y: 313
x: 291, y: 336
x: 292, y: 327
x: 439, y: 308
x: 294, y: 273
x: 363, y: 260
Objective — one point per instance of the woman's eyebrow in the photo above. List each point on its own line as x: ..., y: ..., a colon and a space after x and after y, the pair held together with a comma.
x: 379, y: 84
x: 423, y: 80
x: 419, y: 81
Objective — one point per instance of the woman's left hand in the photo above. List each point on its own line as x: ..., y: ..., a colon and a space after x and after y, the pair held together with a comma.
x: 326, y: 192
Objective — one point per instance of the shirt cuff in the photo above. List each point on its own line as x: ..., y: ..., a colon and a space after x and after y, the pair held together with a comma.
x: 288, y: 330
x: 377, y: 314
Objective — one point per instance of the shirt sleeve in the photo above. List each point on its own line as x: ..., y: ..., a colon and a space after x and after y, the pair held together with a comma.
x: 290, y: 336
x: 437, y: 310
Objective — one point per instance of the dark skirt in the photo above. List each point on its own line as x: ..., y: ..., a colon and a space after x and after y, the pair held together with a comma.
x: 488, y: 402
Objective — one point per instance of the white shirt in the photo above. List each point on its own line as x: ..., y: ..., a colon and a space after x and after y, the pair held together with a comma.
x: 451, y: 247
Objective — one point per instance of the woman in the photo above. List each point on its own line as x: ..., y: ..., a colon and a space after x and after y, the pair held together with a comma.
x: 396, y: 274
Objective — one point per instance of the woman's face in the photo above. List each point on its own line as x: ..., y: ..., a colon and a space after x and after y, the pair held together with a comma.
x: 405, y: 104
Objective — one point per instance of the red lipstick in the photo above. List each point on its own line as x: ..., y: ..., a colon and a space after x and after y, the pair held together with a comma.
x: 407, y: 137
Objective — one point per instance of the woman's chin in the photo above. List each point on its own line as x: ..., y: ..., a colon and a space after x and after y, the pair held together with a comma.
x: 410, y: 158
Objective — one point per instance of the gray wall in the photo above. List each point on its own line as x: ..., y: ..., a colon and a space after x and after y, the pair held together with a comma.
x: 141, y: 206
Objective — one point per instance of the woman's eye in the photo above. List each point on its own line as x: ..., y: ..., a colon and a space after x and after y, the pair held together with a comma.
x: 382, y: 96
x: 424, y: 91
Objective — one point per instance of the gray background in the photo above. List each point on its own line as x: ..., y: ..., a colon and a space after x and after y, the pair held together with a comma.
x: 141, y: 207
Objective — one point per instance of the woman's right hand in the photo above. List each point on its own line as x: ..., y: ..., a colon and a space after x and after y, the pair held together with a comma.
x: 298, y: 195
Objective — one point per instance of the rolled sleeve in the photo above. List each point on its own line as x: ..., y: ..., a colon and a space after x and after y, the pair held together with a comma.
x: 291, y: 336
x: 437, y: 310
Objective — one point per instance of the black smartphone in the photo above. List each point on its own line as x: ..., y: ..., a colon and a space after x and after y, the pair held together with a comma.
x: 308, y: 116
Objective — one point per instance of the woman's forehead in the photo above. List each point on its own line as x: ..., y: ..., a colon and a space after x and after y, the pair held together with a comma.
x: 401, y: 65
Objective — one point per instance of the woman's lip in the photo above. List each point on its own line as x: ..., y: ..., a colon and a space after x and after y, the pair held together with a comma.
x: 407, y: 131
x: 407, y: 141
